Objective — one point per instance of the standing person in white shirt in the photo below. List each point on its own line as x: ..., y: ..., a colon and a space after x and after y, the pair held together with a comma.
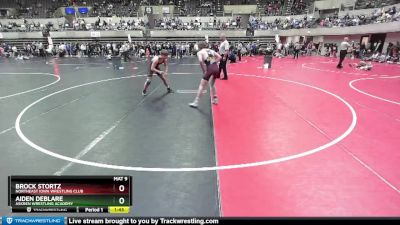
x: 239, y: 50
x: 83, y: 50
x: 223, y: 51
x: 62, y: 50
x: 377, y: 45
x: 196, y: 48
x: 15, y: 51
x: 344, y: 47
x: 286, y: 47
x: 41, y: 49
x: 297, y: 48
x: 187, y: 47
x: 182, y: 50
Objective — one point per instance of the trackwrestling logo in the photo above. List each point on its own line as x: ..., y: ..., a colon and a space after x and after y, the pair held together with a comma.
x: 33, y: 220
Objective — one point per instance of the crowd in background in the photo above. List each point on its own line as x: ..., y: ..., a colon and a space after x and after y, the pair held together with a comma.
x: 377, y: 16
x: 196, y: 8
x: 177, y: 23
x: 365, y: 51
x: 123, y: 49
x: 37, y: 9
x: 298, y: 7
x: 77, y: 24
x: 47, y: 8
x: 108, y: 8
x: 281, y: 24
x: 274, y: 8
x: 26, y: 26
x: 367, y: 4
x: 130, y: 8
x: 122, y: 24
x: 119, y: 8
x: 369, y: 52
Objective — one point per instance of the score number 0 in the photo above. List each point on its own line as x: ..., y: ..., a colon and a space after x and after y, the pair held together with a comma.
x: 121, y: 200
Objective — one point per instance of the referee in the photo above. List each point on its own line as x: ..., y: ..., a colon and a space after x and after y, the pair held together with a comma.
x: 344, y: 47
x: 223, y: 51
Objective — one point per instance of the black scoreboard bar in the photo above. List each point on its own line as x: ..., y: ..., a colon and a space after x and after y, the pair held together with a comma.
x: 82, y: 194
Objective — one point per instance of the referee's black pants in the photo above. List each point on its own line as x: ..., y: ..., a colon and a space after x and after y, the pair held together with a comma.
x: 222, y: 66
x: 342, y: 55
x: 296, y: 53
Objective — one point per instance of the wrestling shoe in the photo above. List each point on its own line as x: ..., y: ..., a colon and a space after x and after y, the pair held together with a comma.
x: 215, y: 100
x: 194, y: 104
x: 169, y: 90
x: 144, y: 92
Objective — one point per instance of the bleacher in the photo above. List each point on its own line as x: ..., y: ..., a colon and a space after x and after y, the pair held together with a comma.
x: 283, y: 7
x: 198, y: 8
x: 9, y: 3
x: 297, y: 7
x: 33, y: 9
x: 367, y: 4
x: 46, y: 8
x: 117, y: 8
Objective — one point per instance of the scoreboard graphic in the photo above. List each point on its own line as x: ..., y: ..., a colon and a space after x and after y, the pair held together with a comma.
x: 70, y: 194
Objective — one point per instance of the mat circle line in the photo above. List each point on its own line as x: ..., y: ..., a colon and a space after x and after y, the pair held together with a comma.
x: 371, y: 95
x: 30, y: 90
